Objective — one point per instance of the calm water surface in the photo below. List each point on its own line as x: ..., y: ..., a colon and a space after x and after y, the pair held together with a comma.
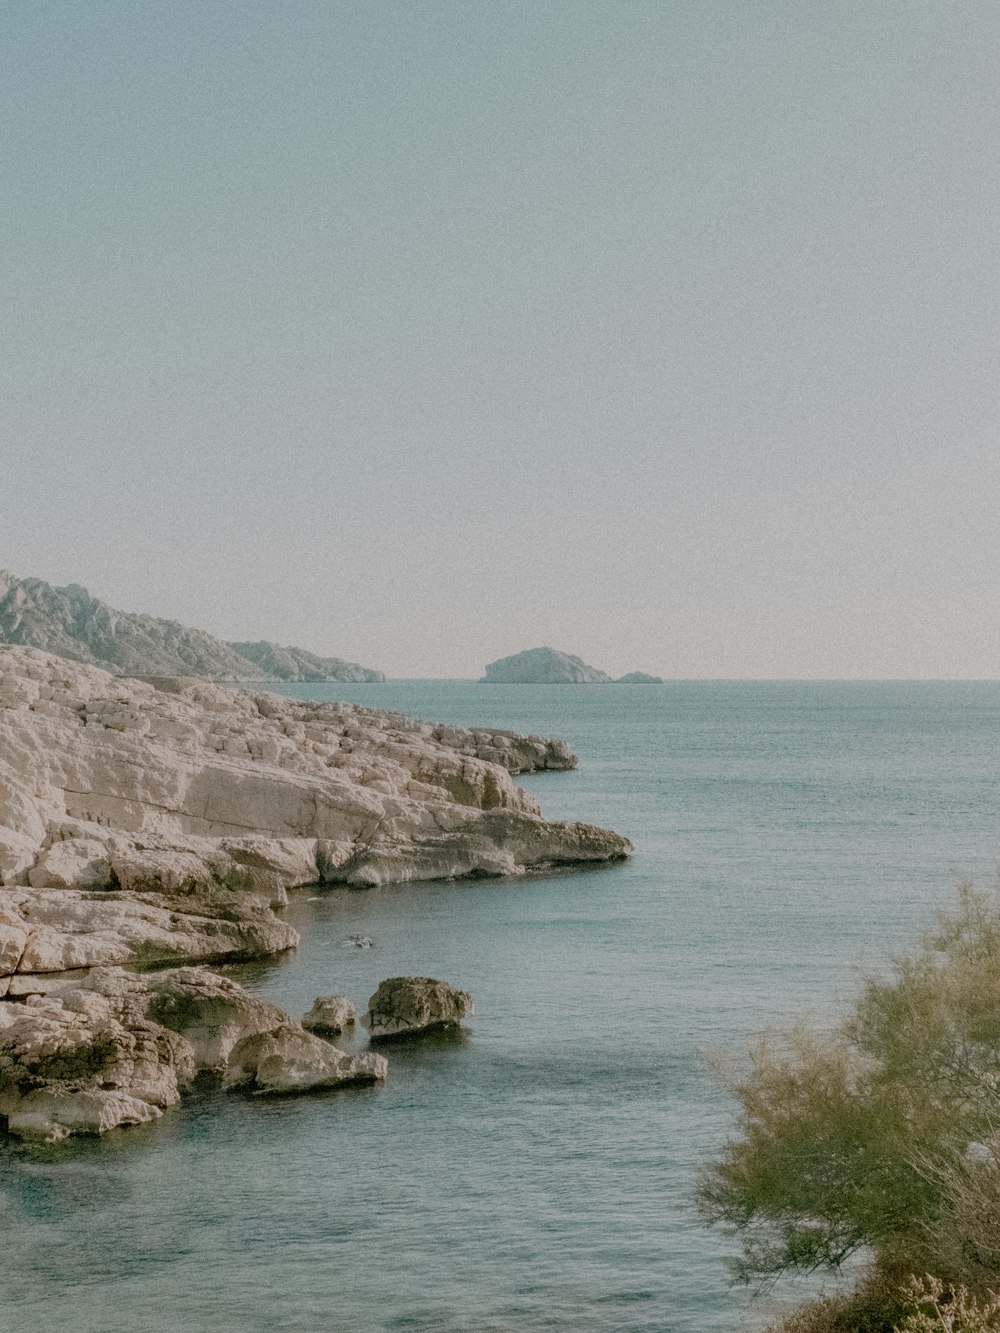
x: 537, y: 1174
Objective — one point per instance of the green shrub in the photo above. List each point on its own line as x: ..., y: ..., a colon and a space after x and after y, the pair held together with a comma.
x: 882, y: 1135
x: 877, y: 1306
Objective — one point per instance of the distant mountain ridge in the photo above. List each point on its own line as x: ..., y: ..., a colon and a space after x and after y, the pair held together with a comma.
x: 71, y: 623
x: 548, y: 666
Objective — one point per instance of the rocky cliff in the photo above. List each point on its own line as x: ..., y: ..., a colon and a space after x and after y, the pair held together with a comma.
x: 150, y: 825
x: 70, y: 622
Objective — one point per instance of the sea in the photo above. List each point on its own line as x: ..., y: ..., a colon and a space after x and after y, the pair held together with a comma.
x: 538, y: 1172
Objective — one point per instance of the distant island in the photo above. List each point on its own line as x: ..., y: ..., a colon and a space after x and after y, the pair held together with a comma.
x: 548, y: 666
x: 69, y: 622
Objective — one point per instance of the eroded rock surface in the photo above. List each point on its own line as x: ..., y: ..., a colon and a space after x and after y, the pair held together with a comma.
x: 85, y: 1054
x: 150, y: 826
x: 407, y: 1006
x: 289, y: 1060
x: 330, y: 1015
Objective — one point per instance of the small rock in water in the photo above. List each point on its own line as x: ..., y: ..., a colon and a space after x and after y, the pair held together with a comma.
x: 361, y: 941
x: 405, y: 1006
x: 330, y: 1014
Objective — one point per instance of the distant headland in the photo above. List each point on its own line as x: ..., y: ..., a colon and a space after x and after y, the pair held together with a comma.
x: 71, y: 623
x: 548, y: 666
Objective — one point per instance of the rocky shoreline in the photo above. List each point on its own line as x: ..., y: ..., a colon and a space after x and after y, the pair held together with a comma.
x: 158, y: 825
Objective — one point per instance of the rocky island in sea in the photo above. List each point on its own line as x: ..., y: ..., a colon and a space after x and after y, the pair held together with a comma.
x: 148, y: 830
x: 70, y: 622
x: 548, y: 666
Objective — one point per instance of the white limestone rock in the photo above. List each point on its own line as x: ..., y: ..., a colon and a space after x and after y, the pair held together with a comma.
x: 144, y: 824
x: 81, y: 1063
x: 70, y: 929
x: 107, y: 1048
x: 289, y: 1060
x: 18, y: 854
x: 211, y: 1012
x: 330, y: 1014
x: 74, y: 863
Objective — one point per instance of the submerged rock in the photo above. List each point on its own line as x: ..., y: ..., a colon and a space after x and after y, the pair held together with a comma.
x: 406, y: 1006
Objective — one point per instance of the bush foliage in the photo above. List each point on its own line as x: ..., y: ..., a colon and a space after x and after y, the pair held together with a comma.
x: 882, y: 1136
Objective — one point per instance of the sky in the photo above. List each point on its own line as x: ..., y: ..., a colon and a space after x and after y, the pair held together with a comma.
x: 423, y: 331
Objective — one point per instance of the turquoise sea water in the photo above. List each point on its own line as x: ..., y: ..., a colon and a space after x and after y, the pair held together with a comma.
x: 538, y: 1173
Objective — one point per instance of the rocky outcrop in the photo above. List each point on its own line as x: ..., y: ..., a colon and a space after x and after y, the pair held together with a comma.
x: 82, y: 1055
x: 184, y: 813
x: 289, y: 1060
x: 548, y: 666
x: 148, y: 827
x: 517, y: 754
x: 85, y: 1060
x: 70, y: 622
x: 409, y: 1006
x: 330, y: 1015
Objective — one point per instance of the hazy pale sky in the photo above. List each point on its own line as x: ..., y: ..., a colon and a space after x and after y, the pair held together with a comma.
x: 664, y: 331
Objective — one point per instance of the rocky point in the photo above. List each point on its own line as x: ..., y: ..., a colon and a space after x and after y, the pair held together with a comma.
x: 156, y: 825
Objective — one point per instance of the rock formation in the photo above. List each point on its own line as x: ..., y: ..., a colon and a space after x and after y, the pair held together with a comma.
x: 70, y: 622
x: 85, y: 1054
x: 330, y: 1014
x: 143, y: 826
x: 548, y: 666
x: 408, y: 1006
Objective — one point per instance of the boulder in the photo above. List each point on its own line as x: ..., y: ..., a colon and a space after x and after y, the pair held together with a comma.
x: 210, y: 1012
x: 289, y: 1060
x: 103, y: 1048
x: 330, y: 1014
x: 74, y: 863
x: 82, y: 1063
x: 408, y: 1006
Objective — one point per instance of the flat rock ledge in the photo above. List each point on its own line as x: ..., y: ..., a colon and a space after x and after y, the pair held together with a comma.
x: 86, y: 1054
x: 410, y: 1006
x: 157, y: 825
